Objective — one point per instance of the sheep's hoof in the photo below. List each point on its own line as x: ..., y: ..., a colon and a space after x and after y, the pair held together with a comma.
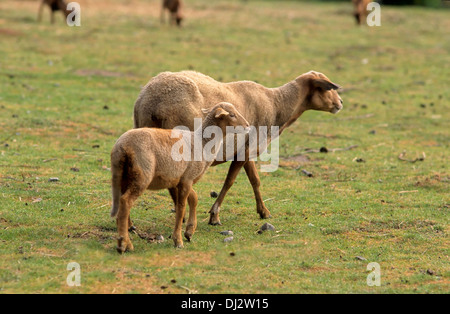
x: 265, y: 216
x: 264, y: 213
x: 124, y: 246
x: 132, y: 228
x: 214, y: 221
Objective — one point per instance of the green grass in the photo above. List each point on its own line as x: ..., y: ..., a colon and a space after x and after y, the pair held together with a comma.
x: 55, y: 82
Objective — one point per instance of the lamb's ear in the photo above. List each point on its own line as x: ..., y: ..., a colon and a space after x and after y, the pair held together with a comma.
x: 220, y: 113
x: 324, y: 84
x: 206, y: 111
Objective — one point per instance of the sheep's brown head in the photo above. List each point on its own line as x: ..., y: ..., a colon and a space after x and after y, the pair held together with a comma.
x: 225, y: 114
x: 320, y: 93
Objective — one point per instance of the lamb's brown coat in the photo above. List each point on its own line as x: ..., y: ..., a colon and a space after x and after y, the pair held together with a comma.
x: 174, y: 99
x: 142, y: 159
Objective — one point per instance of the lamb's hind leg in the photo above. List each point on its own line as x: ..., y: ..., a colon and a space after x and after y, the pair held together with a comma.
x: 126, y: 202
x: 192, y: 222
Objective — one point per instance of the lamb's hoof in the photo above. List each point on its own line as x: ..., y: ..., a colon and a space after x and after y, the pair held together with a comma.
x: 188, y: 235
x: 120, y: 249
x: 179, y: 245
x: 132, y: 228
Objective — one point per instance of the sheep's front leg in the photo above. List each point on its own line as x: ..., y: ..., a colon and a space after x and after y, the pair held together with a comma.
x: 192, y: 222
x: 235, y: 167
x: 252, y: 174
x: 183, y: 192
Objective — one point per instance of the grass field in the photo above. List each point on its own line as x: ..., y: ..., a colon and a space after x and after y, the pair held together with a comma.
x: 66, y: 95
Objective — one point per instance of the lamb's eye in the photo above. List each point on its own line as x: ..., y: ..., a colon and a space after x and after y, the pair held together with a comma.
x: 232, y: 115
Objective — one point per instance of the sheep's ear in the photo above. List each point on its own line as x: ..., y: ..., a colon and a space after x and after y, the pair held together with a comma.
x: 220, y: 113
x: 205, y: 111
x: 324, y: 84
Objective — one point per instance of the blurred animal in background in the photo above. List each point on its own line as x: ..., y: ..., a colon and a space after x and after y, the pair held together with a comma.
x: 360, y: 10
x: 54, y: 5
x: 174, y: 8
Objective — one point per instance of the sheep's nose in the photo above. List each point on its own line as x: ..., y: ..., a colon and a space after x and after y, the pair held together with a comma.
x: 342, y: 102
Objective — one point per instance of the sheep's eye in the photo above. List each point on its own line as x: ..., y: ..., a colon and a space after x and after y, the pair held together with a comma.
x: 232, y: 115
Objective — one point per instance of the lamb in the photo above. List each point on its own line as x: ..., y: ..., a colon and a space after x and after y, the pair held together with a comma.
x: 141, y: 159
x: 360, y: 10
x: 54, y: 5
x: 172, y: 99
x: 174, y: 8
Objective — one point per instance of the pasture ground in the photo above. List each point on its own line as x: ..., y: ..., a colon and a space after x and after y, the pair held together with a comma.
x: 66, y: 95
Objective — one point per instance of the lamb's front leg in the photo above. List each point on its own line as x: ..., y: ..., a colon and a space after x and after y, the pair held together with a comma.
x: 192, y: 222
x: 184, y: 189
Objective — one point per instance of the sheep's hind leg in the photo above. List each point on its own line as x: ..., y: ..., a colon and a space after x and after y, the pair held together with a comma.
x: 235, y: 167
x: 252, y: 174
x: 192, y: 222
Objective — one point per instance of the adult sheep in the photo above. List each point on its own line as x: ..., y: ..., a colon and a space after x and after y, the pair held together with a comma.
x: 175, y: 99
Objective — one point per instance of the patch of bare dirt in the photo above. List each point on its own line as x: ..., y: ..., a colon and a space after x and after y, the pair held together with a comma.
x: 95, y: 72
x: 9, y: 32
x: 295, y: 161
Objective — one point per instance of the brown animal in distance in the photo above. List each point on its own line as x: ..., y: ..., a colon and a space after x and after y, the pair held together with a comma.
x: 54, y: 5
x: 360, y: 10
x: 174, y: 8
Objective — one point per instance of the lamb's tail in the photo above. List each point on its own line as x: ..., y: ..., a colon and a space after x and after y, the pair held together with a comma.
x: 118, y: 162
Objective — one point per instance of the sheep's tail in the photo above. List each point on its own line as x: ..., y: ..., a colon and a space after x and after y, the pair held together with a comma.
x: 118, y: 162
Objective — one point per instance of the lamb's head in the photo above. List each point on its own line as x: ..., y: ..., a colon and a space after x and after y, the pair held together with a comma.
x: 321, y: 93
x: 225, y: 114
